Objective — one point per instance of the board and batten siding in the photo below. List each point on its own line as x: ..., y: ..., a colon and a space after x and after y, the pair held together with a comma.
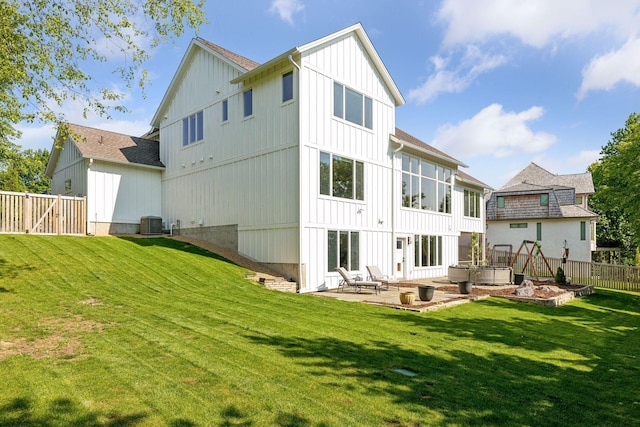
x: 464, y: 223
x: 245, y: 170
x: 345, y: 61
x: 121, y: 193
x: 70, y: 166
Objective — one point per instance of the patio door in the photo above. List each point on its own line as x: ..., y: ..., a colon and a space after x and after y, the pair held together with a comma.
x: 401, y: 245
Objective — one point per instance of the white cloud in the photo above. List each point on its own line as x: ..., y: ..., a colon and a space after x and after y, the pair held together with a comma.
x: 606, y: 71
x: 286, y: 9
x: 473, y: 63
x: 495, y: 132
x: 536, y: 22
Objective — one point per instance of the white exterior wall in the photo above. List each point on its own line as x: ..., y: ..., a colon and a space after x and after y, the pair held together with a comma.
x: 70, y: 166
x: 245, y: 171
x: 345, y: 61
x: 119, y: 193
x: 554, y: 233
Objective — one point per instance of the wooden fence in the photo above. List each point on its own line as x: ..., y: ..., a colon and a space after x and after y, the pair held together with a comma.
x: 42, y: 214
x: 621, y: 277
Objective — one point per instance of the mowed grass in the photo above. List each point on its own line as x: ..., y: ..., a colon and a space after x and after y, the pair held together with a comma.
x: 113, y: 331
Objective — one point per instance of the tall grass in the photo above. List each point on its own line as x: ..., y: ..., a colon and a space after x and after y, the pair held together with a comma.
x: 112, y: 331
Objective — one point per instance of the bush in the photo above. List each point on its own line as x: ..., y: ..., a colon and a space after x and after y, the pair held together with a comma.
x: 561, y: 279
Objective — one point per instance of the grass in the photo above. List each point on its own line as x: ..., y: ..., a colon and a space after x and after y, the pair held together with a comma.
x: 124, y: 332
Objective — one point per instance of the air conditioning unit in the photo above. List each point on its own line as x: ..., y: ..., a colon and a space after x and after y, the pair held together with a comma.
x: 150, y: 225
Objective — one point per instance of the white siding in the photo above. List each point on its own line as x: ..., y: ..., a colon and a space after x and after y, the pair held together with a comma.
x: 70, y: 166
x: 121, y: 193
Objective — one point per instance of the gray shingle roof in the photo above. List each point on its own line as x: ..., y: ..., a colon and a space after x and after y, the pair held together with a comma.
x: 534, y: 174
x: 118, y: 147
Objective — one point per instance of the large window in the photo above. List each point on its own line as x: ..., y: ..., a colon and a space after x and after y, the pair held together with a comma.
x: 472, y: 203
x: 425, y: 185
x: 287, y: 86
x: 341, y: 177
x: 193, y: 128
x: 343, y: 250
x: 247, y: 98
x: 352, y: 106
x: 428, y: 251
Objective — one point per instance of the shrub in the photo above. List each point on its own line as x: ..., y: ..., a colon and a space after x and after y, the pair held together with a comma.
x: 561, y: 279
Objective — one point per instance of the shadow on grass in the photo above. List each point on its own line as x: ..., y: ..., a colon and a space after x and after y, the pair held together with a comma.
x: 176, y: 245
x: 61, y: 412
x: 513, y: 364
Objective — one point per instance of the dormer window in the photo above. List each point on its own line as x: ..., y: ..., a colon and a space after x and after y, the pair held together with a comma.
x: 544, y: 199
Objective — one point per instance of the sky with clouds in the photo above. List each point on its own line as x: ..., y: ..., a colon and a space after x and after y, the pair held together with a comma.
x: 496, y: 84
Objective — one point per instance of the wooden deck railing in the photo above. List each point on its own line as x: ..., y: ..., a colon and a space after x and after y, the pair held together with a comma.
x: 42, y: 214
x: 621, y: 277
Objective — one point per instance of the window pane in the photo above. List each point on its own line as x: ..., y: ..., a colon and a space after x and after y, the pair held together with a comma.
x: 355, y: 250
x: 544, y: 200
x: 477, y: 215
x: 332, y: 250
x: 344, y: 249
x: 416, y: 250
x: 500, y: 201
x: 405, y: 163
x: 185, y: 131
x: 428, y: 169
x: 342, y: 177
x: 200, y: 125
x: 442, y: 203
x: 359, y: 181
x: 353, y: 106
x: 225, y: 110
x: 439, y: 250
x: 433, y: 250
x: 248, y: 103
x: 467, y: 211
x: 447, y: 174
x: 415, y: 192
x: 406, y: 190
x: 413, y: 165
x: 287, y: 86
x: 583, y: 230
x: 368, y: 113
x: 447, y: 198
x: 192, y: 128
x: 424, y: 261
x: 539, y: 231
x: 429, y: 190
x: 338, y: 103
x: 424, y: 196
x: 325, y: 174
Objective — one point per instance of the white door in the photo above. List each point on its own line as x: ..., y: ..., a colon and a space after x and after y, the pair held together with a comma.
x: 400, y: 252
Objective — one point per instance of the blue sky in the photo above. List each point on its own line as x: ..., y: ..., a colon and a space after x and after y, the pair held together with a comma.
x: 496, y: 84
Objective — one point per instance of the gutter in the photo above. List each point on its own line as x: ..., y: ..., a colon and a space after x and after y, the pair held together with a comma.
x: 394, y: 139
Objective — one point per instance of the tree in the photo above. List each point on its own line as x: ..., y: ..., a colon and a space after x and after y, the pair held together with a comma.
x: 616, y: 177
x: 23, y: 171
x: 47, y: 44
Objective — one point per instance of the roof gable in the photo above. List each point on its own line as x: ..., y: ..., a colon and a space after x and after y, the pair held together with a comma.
x: 109, y: 146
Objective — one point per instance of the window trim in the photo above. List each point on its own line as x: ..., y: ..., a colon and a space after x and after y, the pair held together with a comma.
x: 420, y: 253
x: 340, y: 110
x: 248, y: 92
x: 352, y: 252
x: 440, y: 180
x: 284, y: 87
x: 472, y: 204
x: 357, y: 176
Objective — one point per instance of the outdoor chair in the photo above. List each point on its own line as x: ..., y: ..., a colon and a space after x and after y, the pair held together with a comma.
x: 348, y: 280
x: 376, y: 275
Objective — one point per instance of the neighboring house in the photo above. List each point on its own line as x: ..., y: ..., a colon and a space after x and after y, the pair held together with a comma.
x: 297, y: 163
x: 120, y: 175
x: 540, y: 206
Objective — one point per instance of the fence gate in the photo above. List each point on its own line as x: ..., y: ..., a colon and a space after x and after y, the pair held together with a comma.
x: 42, y: 214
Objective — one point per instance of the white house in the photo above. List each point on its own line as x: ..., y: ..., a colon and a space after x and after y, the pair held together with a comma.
x: 551, y: 209
x: 297, y: 163
x: 119, y: 174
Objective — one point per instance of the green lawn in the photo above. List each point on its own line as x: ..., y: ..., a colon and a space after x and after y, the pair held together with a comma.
x: 111, y: 331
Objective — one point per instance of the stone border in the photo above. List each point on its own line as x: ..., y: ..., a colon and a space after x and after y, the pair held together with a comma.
x: 554, y: 301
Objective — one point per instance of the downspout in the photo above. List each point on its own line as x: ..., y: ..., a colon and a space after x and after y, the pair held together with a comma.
x: 301, y: 280
x: 87, y: 202
x: 294, y: 63
x: 393, y: 202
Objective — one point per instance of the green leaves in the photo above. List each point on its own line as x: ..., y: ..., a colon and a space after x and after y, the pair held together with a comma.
x: 47, y: 46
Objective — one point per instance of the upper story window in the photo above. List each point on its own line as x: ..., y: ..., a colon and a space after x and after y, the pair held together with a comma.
x: 225, y: 110
x: 341, y: 177
x: 193, y: 128
x: 287, y: 86
x: 544, y: 199
x: 352, y: 106
x: 425, y: 185
x: 500, y: 201
x: 247, y: 98
x: 472, y: 203
x: 578, y: 200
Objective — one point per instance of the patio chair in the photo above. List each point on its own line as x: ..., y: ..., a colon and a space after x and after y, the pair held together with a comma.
x: 376, y: 275
x: 347, y: 280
